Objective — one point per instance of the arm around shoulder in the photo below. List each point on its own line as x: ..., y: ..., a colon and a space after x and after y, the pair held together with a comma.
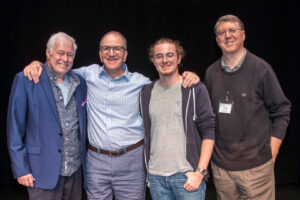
x: 33, y: 71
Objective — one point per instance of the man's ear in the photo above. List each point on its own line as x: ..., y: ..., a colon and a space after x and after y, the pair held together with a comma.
x: 217, y: 40
x: 125, y: 55
x: 244, y: 35
x: 100, y: 56
x: 47, y: 52
x: 152, y: 60
x: 179, y: 59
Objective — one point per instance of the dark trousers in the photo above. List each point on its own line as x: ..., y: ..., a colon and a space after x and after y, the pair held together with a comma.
x: 67, y: 188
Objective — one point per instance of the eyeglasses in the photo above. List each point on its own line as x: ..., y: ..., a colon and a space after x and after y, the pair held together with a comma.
x: 231, y: 31
x: 116, y: 49
x: 160, y: 56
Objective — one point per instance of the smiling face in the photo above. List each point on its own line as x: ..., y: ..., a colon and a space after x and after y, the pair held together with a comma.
x: 230, y: 37
x: 113, y: 58
x: 60, y: 59
x: 166, y: 59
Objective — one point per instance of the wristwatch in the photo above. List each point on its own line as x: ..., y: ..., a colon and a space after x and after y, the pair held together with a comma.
x: 202, y: 171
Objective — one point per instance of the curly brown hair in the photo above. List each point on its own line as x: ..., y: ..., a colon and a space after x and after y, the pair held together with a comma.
x: 179, y: 49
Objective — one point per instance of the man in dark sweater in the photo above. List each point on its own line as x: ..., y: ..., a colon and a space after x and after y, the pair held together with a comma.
x: 252, y: 115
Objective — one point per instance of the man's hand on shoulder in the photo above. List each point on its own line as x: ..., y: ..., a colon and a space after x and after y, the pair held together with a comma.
x: 33, y: 71
x: 26, y: 180
x: 189, y: 79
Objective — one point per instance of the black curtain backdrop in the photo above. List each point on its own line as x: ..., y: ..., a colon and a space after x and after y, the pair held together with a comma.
x: 272, y: 32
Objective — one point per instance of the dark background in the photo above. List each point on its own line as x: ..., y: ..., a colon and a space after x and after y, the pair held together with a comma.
x: 272, y: 32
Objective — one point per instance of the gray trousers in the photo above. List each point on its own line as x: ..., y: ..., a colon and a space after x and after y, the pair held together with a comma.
x: 67, y: 188
x: 122, y: 177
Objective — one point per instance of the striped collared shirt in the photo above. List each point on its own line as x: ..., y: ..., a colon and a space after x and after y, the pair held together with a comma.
x: 114, y: 119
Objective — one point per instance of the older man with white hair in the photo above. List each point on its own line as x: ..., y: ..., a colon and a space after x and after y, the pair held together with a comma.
x: 46, y: 126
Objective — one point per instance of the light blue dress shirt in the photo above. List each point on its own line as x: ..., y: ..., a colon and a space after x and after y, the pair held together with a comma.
x: 114, y: 119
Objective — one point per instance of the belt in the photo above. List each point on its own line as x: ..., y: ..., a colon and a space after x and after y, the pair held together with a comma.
x: 117, y: 152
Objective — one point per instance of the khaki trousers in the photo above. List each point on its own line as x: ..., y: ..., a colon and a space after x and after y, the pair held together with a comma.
x: 257, y: 183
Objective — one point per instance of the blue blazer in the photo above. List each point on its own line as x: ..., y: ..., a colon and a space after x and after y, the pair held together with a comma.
x: 34, y: 132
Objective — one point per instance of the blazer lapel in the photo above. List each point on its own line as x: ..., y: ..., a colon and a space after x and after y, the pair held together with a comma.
x: 46, y: 85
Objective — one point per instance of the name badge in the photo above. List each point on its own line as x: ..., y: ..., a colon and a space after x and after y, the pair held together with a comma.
x: 225, y: 108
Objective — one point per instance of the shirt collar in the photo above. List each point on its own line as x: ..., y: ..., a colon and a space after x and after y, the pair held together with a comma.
x: 125, y: 75
x: 50, y: 72
x: 236, y: 67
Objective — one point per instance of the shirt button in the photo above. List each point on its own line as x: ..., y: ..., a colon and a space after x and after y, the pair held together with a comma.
x: 66, y: 153
x: 59, y: 150
x: 67, y: 124
x: 67, y: 139
x: 60, y: 97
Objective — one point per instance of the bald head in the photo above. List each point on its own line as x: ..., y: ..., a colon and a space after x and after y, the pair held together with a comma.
x: 115, y: 34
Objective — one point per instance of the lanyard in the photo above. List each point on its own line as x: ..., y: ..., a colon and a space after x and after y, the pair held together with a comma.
x: 228, y: 86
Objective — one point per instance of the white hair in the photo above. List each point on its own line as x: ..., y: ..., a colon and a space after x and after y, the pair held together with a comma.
x: 52, y: 39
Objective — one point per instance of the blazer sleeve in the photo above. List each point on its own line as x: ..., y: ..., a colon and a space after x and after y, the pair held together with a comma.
x: 16, y: 127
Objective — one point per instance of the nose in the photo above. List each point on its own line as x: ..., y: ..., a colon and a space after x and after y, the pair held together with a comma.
x: 65, y: 57
x: 111, y: 52
x: 164, y: 59
x: 228, y: 34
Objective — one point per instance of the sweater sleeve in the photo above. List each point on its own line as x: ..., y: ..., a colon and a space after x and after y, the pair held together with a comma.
x: 205, y: 117
x: 277, y: 104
